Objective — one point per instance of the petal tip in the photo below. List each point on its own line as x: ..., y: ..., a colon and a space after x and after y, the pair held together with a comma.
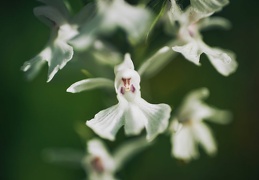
x: 71, y: 90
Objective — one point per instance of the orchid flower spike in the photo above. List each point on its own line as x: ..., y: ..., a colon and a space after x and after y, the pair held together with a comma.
x: 131, y: 111
x: 191, y: 22
x: 188, y: 129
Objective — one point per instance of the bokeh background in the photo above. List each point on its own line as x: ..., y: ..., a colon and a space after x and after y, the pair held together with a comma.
x: 37, y: 115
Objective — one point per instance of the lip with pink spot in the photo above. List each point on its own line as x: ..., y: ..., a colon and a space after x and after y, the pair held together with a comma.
x: 127, y: 86
x: 97, y: 164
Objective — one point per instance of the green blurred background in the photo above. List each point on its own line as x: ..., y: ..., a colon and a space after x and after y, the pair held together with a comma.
x: 37, y: 115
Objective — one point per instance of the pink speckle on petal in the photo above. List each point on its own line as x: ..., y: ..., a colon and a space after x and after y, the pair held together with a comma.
x: 122, y: 90
x: 132, y: 88
x: 97, y: 165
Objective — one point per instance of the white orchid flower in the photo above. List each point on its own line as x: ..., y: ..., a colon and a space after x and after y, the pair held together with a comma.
x: 57, y: 52
x: 100, y: 164
x: 111, y: 15
x: 189, y: 130
x: 132, y: 111
x: 191, y: 21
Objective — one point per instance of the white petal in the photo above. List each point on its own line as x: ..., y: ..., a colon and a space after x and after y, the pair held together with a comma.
x: 135, y: 120
x: 123, y: 15
x: 220, y: 116
x: 107, y: 122
x: 204, y: 136
x: 33, y: 66
x: 222, y: 60
x: 191, y: 51
x: 175, y: 125
x: 193, y: 108
x: 66, y: 32
x: 57, y: 55
x: 156, y: 62
x: 126, y: 64
x: 175, y: 12
x: 49, y: 15
x: 96, y: 149
x: 157, y: 117
x: 103, y: 176
x: 60, y: 55
x: 110, y: 16
x: 210, y: 6
x: 91, y: 83
x: 184, y: 145
x: 59, y: 5
x: 85, y: 14
x: 214, y: 22
x: 201, y: 111
x: 194, y: 15
x: 198, y: 94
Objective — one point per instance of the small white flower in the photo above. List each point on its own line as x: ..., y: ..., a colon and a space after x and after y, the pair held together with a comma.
x: 100, y: 164
x: 189, y: 130
x: 132, y: 111
x: 57, y: 51
x: 194, y: 19
x: 111, y: 15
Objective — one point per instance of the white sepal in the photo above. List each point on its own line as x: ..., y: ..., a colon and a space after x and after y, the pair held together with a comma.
x: 49, y: 15
x: 208, y: 6
x: 157, y: 116
x: 107, y: 122
x: 61, y: 54
x: 89, y: 84
x: 191, y: 51
x: 204, y: 136
x: 223, y: 61
x: 184, y: 145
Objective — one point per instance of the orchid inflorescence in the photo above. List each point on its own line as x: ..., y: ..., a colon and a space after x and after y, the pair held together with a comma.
x: 83, y: 32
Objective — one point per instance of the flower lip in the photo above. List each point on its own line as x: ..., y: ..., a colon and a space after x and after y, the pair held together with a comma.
x: 127, y: 86
x: 97, y: 164
x: 126, y: 83
x: 192, y: 30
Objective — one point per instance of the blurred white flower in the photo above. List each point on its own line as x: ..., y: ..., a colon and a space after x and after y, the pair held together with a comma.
x: 188, y: 129
x: 57, y: 51
x: 100, y: 164
x: 111, y: 15
x: 195, y: 19
x: 132, y: 111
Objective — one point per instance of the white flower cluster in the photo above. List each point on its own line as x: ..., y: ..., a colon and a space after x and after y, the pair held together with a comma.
x: 84, y: 31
